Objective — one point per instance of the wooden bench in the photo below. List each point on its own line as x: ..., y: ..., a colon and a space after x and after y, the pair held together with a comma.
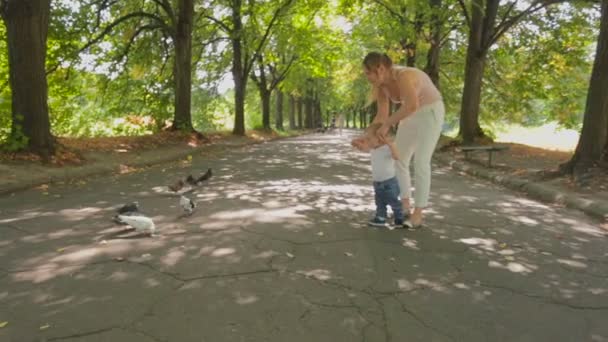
x: 488, y: 148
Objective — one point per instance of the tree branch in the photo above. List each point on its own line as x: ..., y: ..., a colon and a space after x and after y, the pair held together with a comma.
x: 489, y: 18
x: 108, y: 29
x: 443, y: 38
x: 149, y: 27
x: 220, y: 23
x: 168, y: 9
x: 276, y: 80
x: 390, y: 10
x: 256, y: 52
x: 506, y: 24
x: 467, y: 17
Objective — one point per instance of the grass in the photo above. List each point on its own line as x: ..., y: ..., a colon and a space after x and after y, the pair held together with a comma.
x: 548, y: 136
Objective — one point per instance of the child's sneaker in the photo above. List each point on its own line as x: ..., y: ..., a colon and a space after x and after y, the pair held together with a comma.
x: 377, y: 222
x: 399, y: 224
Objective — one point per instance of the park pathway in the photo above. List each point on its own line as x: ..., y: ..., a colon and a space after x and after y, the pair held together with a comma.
x: 279, y: 250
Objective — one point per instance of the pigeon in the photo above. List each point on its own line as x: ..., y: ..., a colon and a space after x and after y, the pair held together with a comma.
x: 191, y: 180
x: 128, y: 209
x: 177, y: 186
x: 204, y: 177
x: 187, y: 204
x: 139, y: 223
x: 199, y: 181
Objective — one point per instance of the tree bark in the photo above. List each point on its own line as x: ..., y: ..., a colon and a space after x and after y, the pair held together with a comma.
x: 27, y: 23
x: 471, y: 99
x: 591, y: 147
x: 308, y: 109
x: 279, y: 116
x: 238, y: 72
x: 432, y: 60
x: 265, y: 97
x: 317, y: 110
x: 411, y: 46
x: 183, y: 66
x: 300, y: 104
x: 483, y: 14
x: 292, y: 112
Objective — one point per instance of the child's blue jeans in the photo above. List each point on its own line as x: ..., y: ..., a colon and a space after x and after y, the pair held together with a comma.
x: 387, y: 193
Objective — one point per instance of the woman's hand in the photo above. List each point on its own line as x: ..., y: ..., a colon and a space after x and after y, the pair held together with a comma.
x: 358, y: 142
x: 382, y: 131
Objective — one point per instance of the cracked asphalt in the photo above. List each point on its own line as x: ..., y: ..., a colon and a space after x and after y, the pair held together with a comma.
x: 279, y: 250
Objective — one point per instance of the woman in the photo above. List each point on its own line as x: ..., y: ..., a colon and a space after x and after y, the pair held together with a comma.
x: 420, y: 118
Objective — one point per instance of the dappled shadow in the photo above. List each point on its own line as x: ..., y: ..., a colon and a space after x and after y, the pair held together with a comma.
x: 282, y: 226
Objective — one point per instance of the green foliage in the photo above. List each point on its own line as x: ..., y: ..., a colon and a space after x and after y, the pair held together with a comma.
x: 123, y: 84
x: 16, y: 140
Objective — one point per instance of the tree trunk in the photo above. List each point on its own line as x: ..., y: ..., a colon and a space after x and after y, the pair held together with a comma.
x: 292, y: 112
x: 593, y: 139
x: 279, y: 117
x: 300, y: 104
x: 27, y: 23
x: 317, y: 109
x: 432, y: 60
x: 347, y: 119
x: 183, y: 66
x: 470, y: 130
x: 238, y: 72
x: 411, y: 45
x: 308, y: 109
x: 265, y: 97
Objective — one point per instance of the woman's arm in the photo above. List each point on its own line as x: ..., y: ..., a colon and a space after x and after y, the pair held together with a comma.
x: 391, y: 145
x: 383, y: 106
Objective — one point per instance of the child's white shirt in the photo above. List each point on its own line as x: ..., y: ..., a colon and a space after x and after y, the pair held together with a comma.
x: 383, y: 165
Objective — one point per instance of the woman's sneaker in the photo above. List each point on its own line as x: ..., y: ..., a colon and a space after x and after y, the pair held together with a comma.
x: 377, y: 222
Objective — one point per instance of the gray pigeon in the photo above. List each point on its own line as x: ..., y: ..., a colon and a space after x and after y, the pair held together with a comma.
x: 129, y: 209
x: 187, y: 204
x: 139, y: 223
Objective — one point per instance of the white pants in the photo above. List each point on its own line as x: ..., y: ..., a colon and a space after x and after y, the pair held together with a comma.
x: 417, y: 136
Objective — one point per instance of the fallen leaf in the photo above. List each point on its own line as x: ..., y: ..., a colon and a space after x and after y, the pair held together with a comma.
x: 189, y: 157
x: 348, y: 254
x: 289, y: 255
x: 391, y: 259
x: 147, y: 255
x: 45, y: 193
x: 59, y: 250
x: 46, y: 326
x: 320, y: 233
x: 503, y: 245
x: 510, y: 258
x: 3, y: 324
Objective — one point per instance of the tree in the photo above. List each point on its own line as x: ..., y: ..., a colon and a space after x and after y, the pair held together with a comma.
x: 592, y: 146
x: 27, y: 23
x: 267, y: 78
x: 246, y: 46
x: 175, y: 22
x: 279, y: 113
x: 483, y: 34
x: 182, y: 65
